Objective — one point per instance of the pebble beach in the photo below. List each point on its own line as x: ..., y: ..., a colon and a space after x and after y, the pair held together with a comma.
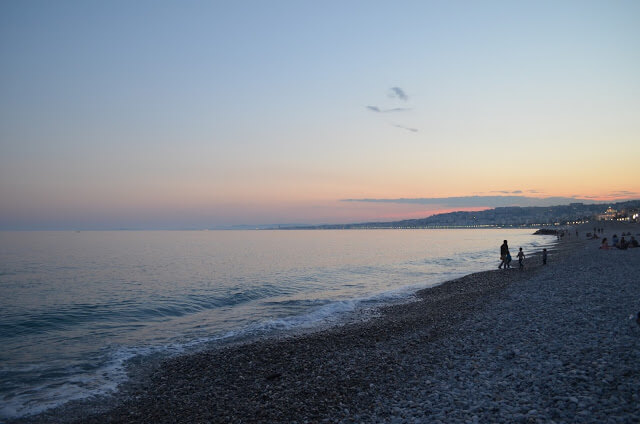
x: 555, y: 343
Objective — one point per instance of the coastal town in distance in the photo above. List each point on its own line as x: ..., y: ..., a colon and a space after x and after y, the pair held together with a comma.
x: 506, y: 217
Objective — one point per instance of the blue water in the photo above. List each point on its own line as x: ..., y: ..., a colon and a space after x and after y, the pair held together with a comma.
x: 76, y: 307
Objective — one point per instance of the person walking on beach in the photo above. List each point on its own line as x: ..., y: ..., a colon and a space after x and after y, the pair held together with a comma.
x: 504, y: 255
x: 544, y: 256
x: 520, y: 259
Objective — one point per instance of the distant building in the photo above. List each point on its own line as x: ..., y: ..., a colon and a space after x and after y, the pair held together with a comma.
x: 608, y: 215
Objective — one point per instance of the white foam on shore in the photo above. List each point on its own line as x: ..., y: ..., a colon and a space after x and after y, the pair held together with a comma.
x: 36, y: 399
x: 106, y: 379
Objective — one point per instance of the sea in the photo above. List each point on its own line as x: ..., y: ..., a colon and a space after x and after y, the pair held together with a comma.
x: 79, y: 310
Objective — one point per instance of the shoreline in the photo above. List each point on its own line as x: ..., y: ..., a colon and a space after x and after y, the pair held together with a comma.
x: 357, y: 372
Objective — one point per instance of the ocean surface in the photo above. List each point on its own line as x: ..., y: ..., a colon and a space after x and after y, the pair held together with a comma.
x: 78, y: 308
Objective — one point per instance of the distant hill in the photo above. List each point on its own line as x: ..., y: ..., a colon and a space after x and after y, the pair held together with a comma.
x: 513, y: 216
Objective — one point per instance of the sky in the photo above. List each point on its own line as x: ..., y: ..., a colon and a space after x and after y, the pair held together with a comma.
x: 210, y: 114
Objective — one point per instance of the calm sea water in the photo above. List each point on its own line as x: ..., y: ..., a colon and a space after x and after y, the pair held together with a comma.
x: 76, y: 307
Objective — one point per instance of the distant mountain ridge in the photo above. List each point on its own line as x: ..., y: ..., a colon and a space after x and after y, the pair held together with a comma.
x: 509, y: 216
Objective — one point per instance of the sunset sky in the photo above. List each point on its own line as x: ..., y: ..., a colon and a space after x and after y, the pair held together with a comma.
x: 206, y: 114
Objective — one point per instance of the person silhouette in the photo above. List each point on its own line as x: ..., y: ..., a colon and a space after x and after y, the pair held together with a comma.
x: 520, y: 259
x: 504, y: 255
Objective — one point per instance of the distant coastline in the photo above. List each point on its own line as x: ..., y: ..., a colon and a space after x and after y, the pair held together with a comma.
x: 503, y: 217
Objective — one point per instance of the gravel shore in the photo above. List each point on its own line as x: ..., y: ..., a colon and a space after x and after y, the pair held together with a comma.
x: 555, y: 343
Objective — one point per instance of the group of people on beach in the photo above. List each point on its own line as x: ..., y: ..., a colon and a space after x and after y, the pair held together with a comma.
x: 505, y: 257
x: 619, y: 243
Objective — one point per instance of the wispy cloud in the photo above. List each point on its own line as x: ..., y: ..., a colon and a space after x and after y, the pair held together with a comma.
x: 395, y: 109
x: 406, y: 128
x: 481, y: 201
x: 397, y: 92
x: 615, y: 195
x: 507, y: 191
x: 623, y: 193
